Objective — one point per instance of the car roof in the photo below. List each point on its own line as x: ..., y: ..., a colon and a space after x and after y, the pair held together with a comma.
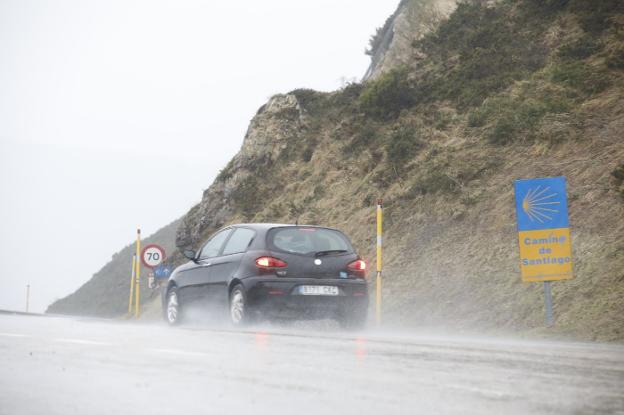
x: 266, y: 226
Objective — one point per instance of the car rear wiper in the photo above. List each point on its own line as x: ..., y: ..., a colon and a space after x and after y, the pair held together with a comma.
x: 329, y: 252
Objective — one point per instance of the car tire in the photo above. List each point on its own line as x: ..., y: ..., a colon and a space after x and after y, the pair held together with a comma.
x: 173, y: 310
x: 240, y: 314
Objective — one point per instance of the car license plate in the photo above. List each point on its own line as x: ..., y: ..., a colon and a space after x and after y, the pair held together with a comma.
x: 318, y: 290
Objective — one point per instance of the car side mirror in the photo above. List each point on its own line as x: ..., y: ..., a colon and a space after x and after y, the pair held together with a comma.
x: 189, y: 253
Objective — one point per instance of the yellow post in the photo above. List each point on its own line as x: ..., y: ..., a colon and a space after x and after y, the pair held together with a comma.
x: 132, y: 282
x: 379, y: 245
x: 137, y: 261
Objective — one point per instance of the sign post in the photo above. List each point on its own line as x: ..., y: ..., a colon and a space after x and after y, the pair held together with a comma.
x: 548, y: 302
x: 379, y: 246
x: 137, y: 306
x: 543, y: 233
x: 132, y: 282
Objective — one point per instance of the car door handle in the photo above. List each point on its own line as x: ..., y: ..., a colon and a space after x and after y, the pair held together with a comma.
x: 206, y: 264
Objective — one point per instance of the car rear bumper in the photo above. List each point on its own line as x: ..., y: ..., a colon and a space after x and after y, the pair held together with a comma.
x: 282, y: 296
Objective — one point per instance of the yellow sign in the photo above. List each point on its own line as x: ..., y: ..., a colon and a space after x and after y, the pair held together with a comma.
x: 545, y: 255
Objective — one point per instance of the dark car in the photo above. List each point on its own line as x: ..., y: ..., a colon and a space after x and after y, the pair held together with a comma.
x: 257, y: 271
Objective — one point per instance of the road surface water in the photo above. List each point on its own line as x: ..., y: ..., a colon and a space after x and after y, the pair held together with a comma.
x: 54, y: 365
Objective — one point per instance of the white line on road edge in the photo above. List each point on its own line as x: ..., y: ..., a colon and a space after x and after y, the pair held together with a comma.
x: 80, y: 341
x: 178, y: 352
x: 488, y: 393
x: 13, y: 335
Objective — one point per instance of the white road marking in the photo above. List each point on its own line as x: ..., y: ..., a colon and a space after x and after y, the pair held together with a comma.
x: 178, y: 352
x: 81, y: 341
x: 13, y: 335
x: 489, y: 393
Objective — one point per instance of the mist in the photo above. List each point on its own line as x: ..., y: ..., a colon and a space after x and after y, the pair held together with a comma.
x: 117, y: 115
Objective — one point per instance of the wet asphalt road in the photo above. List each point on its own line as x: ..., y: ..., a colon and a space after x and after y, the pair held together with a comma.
x: 54, y: 365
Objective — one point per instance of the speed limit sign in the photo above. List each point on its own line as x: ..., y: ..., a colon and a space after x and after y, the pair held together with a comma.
x: 152, y: 255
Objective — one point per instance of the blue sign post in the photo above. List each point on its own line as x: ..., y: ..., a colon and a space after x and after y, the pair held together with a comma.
x: 543, y: 233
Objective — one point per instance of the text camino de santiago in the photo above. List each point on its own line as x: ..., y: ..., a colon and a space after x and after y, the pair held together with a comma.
x: 551, y: 240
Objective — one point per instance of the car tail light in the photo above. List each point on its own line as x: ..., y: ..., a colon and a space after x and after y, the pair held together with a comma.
x: 270, y: 262
x: 358, y: 266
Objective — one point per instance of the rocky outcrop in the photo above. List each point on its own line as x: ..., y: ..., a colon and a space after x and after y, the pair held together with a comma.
x: 269, y: 134
x: 411, y: 21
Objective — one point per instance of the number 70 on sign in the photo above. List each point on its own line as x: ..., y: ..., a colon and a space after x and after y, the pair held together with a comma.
x: 152, y: 255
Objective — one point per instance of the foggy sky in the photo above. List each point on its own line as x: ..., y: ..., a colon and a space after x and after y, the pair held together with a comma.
x: 117, y: 114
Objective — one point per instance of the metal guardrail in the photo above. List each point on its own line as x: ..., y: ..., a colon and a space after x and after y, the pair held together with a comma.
x: 23, y: 313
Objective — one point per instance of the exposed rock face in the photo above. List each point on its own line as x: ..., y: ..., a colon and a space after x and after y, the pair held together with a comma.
x: 412, y: 20
x: 270, y: 129
x: 269, y: 133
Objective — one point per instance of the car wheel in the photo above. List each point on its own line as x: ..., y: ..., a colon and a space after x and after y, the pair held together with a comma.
x: 173, y: 313
x: 239, y: 312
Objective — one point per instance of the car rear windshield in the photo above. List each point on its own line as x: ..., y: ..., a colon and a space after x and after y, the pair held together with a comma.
x: 309, y: 241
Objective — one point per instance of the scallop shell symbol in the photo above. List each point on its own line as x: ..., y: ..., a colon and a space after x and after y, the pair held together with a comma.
x: 539, y: 204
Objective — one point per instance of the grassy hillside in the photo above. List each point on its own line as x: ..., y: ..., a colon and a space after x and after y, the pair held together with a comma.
x: 106, y: 293
x: 497, y: 92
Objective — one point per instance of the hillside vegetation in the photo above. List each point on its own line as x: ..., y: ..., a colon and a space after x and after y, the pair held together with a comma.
x: 495, y: 92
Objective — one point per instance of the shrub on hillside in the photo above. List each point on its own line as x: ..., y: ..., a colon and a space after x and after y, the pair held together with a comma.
x: 580, y: 49
x: 347, y: 95
x: 402, y: 145
x: 364, y: 135
x: 246, y: 196
x: 433, y: 182
x: 376, y: 40
x: 477, y: 117
x: 226, y: 172
x: 508, y: 119
x: 479, y: 51
x: 310, y: 100
x: 384, y: 97
x: 615, y: 56
x: 596, y: 16
x: 309, y: 149
x: 579, y: 76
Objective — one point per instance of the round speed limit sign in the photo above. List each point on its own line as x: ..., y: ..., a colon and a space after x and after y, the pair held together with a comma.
x: 152, y: 255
